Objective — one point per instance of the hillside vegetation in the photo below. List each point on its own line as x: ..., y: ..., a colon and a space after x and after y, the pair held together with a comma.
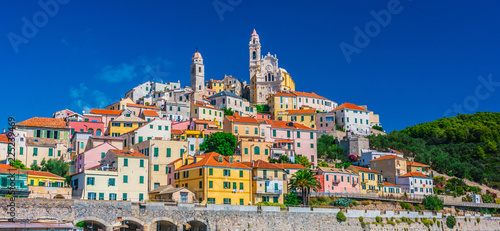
x: 465, y: 146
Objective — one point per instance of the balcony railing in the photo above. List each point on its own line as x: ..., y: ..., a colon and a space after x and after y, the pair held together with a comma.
x: 269, y: 191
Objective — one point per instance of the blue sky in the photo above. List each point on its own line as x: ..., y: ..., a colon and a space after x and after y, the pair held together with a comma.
x: 421, y: 64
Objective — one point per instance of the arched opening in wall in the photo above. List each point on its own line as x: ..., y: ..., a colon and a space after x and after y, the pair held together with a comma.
x: 127, y: 225
x: 91, y: 131
x: 59, y: 196
x: 91, y: 225
x: 194, y: 226
x: 165, y: 226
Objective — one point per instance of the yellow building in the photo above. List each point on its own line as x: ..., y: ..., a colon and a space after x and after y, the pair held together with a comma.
x: 391, y: 166
x: 306, y: 117
x: 392, y: 190
x: 250, y: 140
x: 413, y: 166
x: 288, y: 84
x: 205, y: 111
x: 47, y: 185
x: 216, y: 85
x: 216, y: 179
x: 120, y: 105
x: 371, y: 180
x: 269, y: 182
x: 124, y: 123
x: 280, y: 102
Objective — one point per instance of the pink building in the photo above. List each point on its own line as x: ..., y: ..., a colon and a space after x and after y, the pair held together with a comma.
x: 92, y: 157
x: 263, y: 116
x: 291, y: 139
x: 338, y: 180
x: 181, y: 125
x: 106, y: 116
x: 91, y: 123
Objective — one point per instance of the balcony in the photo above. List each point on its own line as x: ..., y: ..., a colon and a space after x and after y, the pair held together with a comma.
x: 260, y: 178
x: 269, y: 191
x: 336, y: 181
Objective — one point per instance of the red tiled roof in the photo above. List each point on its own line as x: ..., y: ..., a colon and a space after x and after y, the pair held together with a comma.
x: 143, y: 106
x: 349, y: 106
x: 4, y: 139
x: 176, y: 131
x: 285, y: 94
x: 396, y: 151
x: 202, y: 104
x: 128, y: 153
x: 283, y: 141
x: 45, y: 174
x: 303, y: 111
x: 150, y: 113
x: 44, y: 122
x: 416, y: 164
x: 305, y: 94
x: 239, y: 119
x: 283, y: 124
x: 291, y: 166
x: 205, y: 122
x: 212, y: 159
x: 388, y: 157
x: 6, y: 166
x: 261, y: 164
x: 365, y: 169
x: 390, y: 184
x: 106, y: 112
x: 415, y: 174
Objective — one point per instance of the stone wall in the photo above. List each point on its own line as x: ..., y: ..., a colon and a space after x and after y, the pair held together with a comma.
x: 221, y: 217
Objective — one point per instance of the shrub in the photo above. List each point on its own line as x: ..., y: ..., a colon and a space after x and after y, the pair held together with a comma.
x: 478, y: 220
x: 265, y: 203
x: 416, y: 219
x: 427, y: 223
x: 451, y: 221
x: 363, y: 225
x: 418, y: 208
x: 341, y: 217
x: 438, y: 223
x: 432, y: 203
x: 361, y: 219
x: 404, y: 219
x: 434, y: 219
x: 366, y: 202
x: 398, y: 221
x: 377, y: 202
x: 344, y: 202
x: 404, y: 205
x: 355, y: 203
x: 378, y: 219
x: 391, y: 222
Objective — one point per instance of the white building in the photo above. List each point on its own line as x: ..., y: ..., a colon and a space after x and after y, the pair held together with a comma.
x: 226, y: 99
x: 353, y: 118
x: 314, y: 101
x: 416, y: 184
x: 149, y: 88
x: 154, y: 130
x: 367, y: 155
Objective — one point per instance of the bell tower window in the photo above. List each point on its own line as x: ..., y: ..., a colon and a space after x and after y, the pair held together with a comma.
x: 254, y: 54
x: 199, y: 69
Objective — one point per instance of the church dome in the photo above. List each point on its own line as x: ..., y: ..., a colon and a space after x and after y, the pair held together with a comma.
x: 197, y: 55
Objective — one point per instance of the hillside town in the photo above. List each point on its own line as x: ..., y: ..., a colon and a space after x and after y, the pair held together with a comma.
x: 150, y: 145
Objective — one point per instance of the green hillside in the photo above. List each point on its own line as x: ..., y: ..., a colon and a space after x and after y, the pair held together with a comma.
x: 465, y: 146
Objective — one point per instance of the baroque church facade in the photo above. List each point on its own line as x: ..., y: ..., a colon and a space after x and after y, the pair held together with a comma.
x: 266, y: 77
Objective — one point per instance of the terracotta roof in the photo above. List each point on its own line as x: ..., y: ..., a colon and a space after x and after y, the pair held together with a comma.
x: 388, y: 157
x: 390, y: 184
x: 365, y: 169
x: 106, y: 112
x: 337, y: 170
x: 416, y: 164
x: 415, y: 174
x: 396, y: 151
x: 201, y: 104
x: 176, y: 131
x: 128, y: 153
x: 138, y: 127
x: 212, y: 159
x: 44, y: 122
x: 45, y: 174
x: 349, y: 106
x: 6, y: 166
x: 262, y: 164
x: 205, y: 122
x: 179, y: 159
x: 291, y: 166
x: 283, y: 141
x: 150, y: 113
x: 239, y: 119
x: 17, y: 171
x: 131, y: 119
x: 285, y: 94
x: 143, y: 106
x: 283, y: 124
x: 305, y: 94
x: 303, y: 111
x: 4, y: 139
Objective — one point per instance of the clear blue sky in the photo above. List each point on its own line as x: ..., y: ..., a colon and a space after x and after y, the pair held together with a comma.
x: 88, y: 54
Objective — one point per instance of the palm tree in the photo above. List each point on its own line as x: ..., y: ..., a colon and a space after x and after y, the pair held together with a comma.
x: 304, y: 181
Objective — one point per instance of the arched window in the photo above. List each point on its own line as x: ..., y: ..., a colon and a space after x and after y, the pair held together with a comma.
x: 98, y: 132
x: 254, y: 54
x: 256, y: 150
x: 199, y: 87
x: 199, y: 69
x: 91, y: 131
x: 269, y: 76
x: 266, y: 78
x: 272, y: 77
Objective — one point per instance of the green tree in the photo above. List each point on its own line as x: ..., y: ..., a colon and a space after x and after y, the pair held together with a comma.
x: 451, y: 221
x: 341, y: 217
x: 35, y: 167
x: 303, y: 161
x: 18, y: 164
x: 432, y: 203
x: 282, y: 159
x: 291, y: 199
x: 221, y: 142
x: 55, y: 166
x: 304, y: 181
x: 228, y: 111
x: 378, y: 128
x: 322, y: 164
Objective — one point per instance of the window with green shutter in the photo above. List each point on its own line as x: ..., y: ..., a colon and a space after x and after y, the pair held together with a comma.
x: 298, y: 134
x: 287, y: 133
x: 256, y: 130
x: 141, y: 163
x: 140, y: 139
x: 241, y: 173
x: 141, y: 179
x: 35, y: 151
x: 156, y: 152
x: 312, y: 135
x: 266, y: 151
x: 210, y: 171
x: 58, y: 152
x: 125, y: 162
x: 103, y: 154
x: 166, y: 128
x: 111, y: 182
x: 124, y: 196
x: 241, y: 202
x: 211, y: 184
x: 169, y: 152
x: 241, y: 185
x: 274, y: 132
x: 246, y: 150
x: 21, y: 149
x: 159, y: 128
x: 156, y: 167
x: 125, y: 179
x: 167, y: 170
x: 51, y: 152
x: 234, y: 185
